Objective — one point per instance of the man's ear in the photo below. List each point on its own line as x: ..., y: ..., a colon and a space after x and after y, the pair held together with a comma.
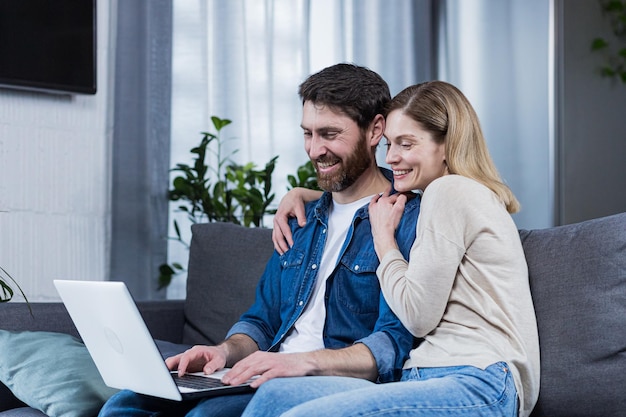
x: 377, y: 130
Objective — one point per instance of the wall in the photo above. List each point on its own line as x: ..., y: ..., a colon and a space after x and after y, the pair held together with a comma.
x: 591, y: 123
x: 56, y: 175
x: 55, y: 153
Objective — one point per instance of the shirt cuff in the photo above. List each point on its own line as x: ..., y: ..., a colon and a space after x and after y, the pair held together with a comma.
x: 384, y: 353
x: 242, y: 327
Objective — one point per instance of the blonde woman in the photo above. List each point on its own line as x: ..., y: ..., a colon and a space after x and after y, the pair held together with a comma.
x: 464, y: 293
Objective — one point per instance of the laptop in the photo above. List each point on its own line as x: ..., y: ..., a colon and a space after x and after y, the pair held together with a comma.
x: 122, y: 348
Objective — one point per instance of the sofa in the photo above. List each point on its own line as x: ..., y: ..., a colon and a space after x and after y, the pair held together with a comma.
x: 577, y: 274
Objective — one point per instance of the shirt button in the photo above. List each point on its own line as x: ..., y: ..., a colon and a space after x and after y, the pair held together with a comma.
x: 356, y: 267
x: 301, y: 302
x: 324, y: 231
x: 314, y: 266
x: 284, y: 263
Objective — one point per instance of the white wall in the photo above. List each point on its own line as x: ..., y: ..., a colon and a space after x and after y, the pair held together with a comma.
x: 55, y: 180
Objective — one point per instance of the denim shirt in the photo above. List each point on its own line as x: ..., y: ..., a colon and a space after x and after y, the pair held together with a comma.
x: 356, y: 310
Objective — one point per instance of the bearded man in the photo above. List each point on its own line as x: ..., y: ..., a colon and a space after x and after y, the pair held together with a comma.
x: 318, y: 308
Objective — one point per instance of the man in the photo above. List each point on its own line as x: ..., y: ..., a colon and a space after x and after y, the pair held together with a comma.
x: 318, y: 307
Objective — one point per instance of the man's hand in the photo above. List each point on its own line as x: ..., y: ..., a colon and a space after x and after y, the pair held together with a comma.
x: 268, y: 365
x: 355, y: 361
x: 207, y: 359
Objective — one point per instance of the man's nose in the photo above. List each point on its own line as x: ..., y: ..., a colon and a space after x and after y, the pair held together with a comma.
x: 317, y: 147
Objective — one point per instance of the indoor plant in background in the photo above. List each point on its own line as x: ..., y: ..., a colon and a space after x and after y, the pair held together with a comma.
x: 613, y: 49
x: 239, y: 194
x: 6, y: 293
x: 226, y: 192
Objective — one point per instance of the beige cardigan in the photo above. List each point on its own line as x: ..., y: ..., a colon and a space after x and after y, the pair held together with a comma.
x: 466, y: 289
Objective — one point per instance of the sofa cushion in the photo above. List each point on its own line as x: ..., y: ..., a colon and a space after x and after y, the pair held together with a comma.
x: 52, y: 372
x: 225, y: 264
x: 578, y: 283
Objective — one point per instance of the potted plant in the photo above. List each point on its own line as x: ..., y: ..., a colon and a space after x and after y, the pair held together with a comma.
x: 240, y: 194
x: 226, y: 192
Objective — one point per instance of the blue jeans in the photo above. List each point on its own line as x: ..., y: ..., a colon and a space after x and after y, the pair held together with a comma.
x: 128, y: 403
x: 451, y: 391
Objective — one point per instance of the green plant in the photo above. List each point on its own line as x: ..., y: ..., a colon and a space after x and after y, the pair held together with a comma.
x: 226, y: 192
x: 7, y: 292
x: 305, y: 177
x: 615, y: 50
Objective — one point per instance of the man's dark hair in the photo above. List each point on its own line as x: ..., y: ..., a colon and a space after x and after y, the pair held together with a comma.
x: 356, y: 91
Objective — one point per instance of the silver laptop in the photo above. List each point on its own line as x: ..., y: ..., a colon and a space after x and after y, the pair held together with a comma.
x: 122, y: 348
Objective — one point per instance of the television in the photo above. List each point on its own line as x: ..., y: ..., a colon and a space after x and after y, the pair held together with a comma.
x: 48, y: 45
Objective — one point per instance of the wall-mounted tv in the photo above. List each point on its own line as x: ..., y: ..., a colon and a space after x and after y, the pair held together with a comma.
x: 48, y: 45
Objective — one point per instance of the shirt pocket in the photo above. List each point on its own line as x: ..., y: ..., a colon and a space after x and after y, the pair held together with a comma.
x: 293, y: 258
x: 357, y: 284
x: 290, y: 279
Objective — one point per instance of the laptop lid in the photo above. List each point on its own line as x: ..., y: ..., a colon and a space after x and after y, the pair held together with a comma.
x: 119, y: 341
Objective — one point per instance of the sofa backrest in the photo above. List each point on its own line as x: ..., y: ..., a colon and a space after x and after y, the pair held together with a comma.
x: 578, y: 282
x: 225, y: 264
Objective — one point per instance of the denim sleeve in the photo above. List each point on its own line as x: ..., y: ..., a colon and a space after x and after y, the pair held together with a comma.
x: 390, y: 343
x: 262, y: 320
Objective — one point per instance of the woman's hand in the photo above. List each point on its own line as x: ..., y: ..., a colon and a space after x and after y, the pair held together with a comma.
x: 385, y: 212
x: 291, y: 205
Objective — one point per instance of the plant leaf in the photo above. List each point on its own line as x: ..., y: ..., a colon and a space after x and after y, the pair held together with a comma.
x: 219, y: 123
x: 598, y: 44
x: 7, y: 291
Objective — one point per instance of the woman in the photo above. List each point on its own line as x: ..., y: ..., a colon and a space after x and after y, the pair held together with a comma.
x: 465, y: 290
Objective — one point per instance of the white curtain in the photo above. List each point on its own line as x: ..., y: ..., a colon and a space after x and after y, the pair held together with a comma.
x: 499, y: 53
x: 244, y: 59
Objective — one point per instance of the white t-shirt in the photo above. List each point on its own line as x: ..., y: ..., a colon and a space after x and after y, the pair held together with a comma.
x: 306, y: 335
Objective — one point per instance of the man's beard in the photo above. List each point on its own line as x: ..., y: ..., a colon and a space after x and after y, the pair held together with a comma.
x: 352, y: 168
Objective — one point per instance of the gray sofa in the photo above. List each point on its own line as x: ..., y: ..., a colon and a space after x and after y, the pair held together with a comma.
x: 578, y: 281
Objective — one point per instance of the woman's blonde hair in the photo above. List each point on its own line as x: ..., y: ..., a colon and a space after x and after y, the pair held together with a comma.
x: 443, y: 110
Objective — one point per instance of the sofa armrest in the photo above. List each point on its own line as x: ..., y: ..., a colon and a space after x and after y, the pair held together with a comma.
x: 50, y: 317
x: 164, y: 318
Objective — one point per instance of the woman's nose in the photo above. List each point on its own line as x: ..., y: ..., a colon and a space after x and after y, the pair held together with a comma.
x: 391, y: 155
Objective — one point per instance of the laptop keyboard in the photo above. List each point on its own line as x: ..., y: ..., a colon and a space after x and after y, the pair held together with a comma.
x: 196, y: 381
